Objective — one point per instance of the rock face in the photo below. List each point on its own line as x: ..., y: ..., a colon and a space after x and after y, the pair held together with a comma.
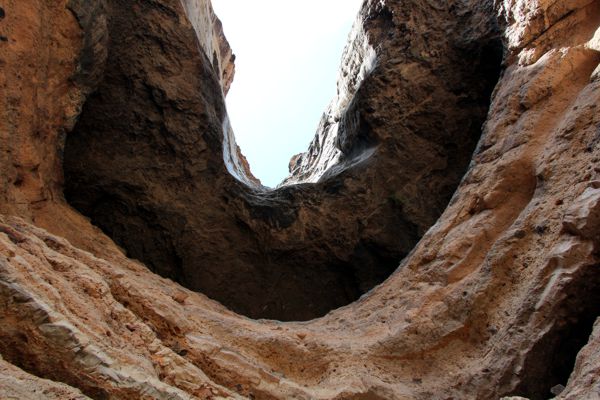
x: 145, y: 161
x: 17, y: 384
x: 49, y: 64
x: 498, y: 298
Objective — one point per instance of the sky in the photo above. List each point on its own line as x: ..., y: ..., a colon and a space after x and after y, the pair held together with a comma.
x: 288, y: 54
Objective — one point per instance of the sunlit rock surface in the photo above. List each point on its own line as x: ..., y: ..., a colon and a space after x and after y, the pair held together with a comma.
x: 498, y: 298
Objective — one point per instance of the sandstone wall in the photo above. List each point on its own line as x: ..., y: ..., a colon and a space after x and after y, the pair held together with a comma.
x: 211, y: 39
x: 497, y: 298
x: 49, y: 64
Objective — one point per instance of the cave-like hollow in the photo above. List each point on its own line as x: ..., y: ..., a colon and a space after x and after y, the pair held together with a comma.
x: 145, y: 164
x: 552, y: 359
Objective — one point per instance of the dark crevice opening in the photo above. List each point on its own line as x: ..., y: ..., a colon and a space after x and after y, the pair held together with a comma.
x: 551, y: 360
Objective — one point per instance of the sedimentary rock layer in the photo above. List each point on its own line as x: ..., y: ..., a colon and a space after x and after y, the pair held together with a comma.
x: 17, y: 384
x: 497, y: 298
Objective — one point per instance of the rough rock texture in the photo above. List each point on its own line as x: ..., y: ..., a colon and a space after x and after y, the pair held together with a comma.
x: 497, y: 299
x: 209, y: 32
x: 584, y: 380
x: 15, y: 384
x: 145, y: 160
x: 49, y: 64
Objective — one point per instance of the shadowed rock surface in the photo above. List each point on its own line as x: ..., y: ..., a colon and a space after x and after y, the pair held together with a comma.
x: 497, y: 298
x: 145, y: 162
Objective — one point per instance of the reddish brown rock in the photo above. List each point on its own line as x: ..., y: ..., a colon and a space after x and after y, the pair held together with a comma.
x: 49, y: 64
x: 498, y: 298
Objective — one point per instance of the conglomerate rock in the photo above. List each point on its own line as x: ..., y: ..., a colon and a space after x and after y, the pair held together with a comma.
x: 497, y: 298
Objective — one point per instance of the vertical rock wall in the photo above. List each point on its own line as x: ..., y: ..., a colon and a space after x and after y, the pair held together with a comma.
x: 49, y: 65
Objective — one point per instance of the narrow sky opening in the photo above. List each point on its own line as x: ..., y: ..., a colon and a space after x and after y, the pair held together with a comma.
x: 288, y: 55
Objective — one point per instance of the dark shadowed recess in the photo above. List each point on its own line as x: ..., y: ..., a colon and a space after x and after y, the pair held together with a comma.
x: 552, y: 359
x: 145, y: 163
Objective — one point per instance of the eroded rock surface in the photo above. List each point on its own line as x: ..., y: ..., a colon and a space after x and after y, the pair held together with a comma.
x: 145, y: 160
x: 497, y: 298
x: 17, y: 384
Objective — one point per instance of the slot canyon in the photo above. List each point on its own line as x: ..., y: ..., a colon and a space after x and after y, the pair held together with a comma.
x: 438, y: 239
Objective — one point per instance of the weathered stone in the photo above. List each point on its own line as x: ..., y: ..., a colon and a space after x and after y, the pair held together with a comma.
x: 408, y: 103
x: 16, y: 384
x: 583, y: 382
x: 557, y: 390
x: 475, y: 312
x: 583, y: 217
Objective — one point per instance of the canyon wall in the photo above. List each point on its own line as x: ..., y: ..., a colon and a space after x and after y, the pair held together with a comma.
x: 144, y: 161
x: 499, y: 296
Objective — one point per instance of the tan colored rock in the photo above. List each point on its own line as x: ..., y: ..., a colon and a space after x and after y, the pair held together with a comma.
x: 107, y: 350
x: 15, y: 384
x: 583, y: 217
x: 494, y: 300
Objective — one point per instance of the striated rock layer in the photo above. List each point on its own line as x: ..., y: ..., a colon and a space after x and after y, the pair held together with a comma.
x: 499, y: 297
